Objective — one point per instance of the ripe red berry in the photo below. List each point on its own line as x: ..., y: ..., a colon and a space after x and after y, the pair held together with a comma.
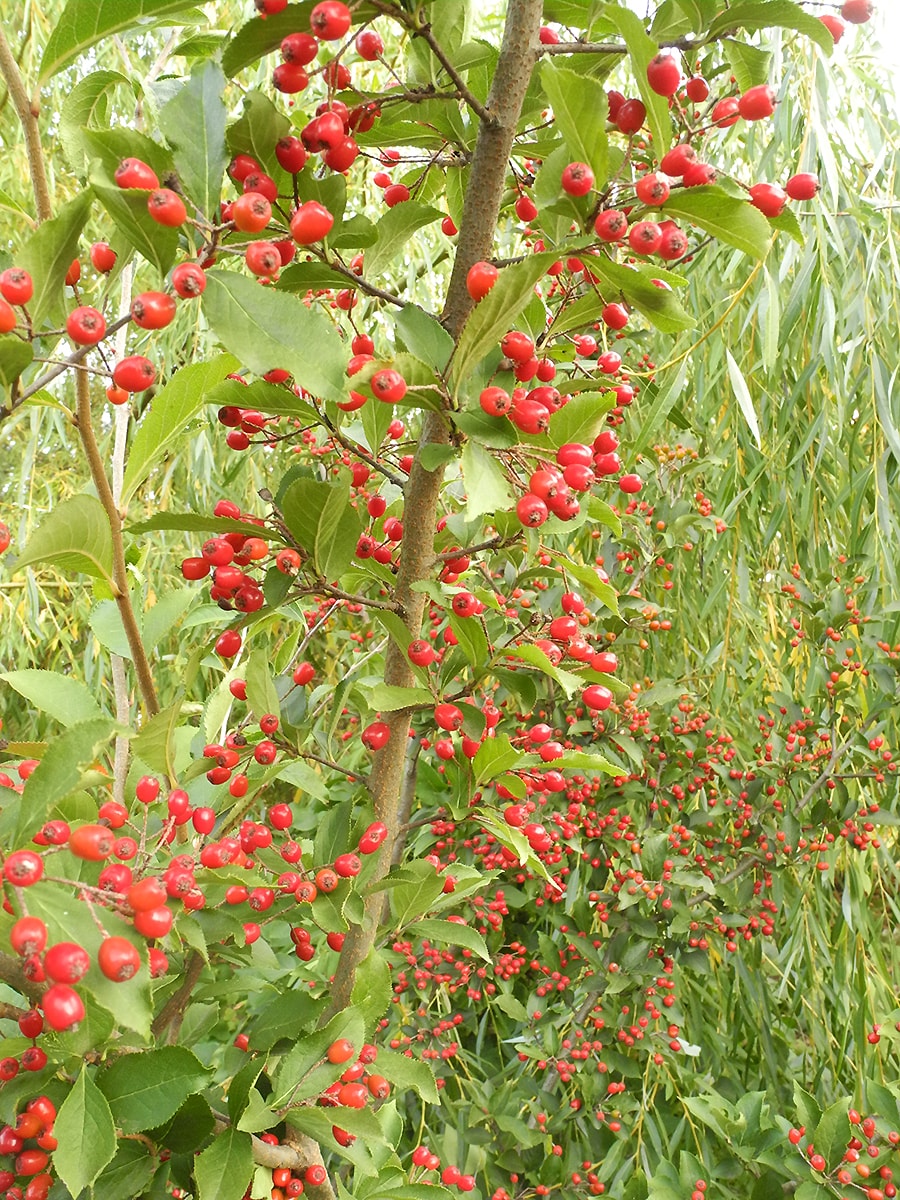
x: 133, y: 173
x: 834, y: 25
x: 8, y: 318
x: 376, y: 735
x: 664, y: 74
x: 630, y: 483
x: 526, y: 209
x: 86, y: 325
x: 188, y: 280
x: 652, y: 189
x: 134, y: 374
x: 28, y: 936
x: 388, y: 385
x: 697, y: 89
x: 94, y: 843
x: 103, y: 257
x: 16, y: 285
x: 153, y: 310
x: 330, y: 20
x: 63, y: 1007
x: 396, y: 193
x: 757, y: 103
x: 645, y: 237
x: 803, y: 186
x: 166, y: 208
x: 481, y: 278
x: 23, y: 868
x: 262, y: 258
x: 289, y: 79
x: 531, y: 510
x: 769, y: 198
x: 577, y: 179
x: 495, y: 402
x: 726, y: 112
x: 857, y: 12
x: 310, y: 223
x: 630, y: 116
x: 118, y: 959
x: 611, y: 225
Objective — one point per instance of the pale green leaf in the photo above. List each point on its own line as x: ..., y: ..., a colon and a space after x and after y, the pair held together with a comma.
x: 86, y: 1134
x: 75, y: 536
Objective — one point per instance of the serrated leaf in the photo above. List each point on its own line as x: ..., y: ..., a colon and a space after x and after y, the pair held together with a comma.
x: 155, y: 744
x: 86, y: 1134
x: 770, y: 14
x: 74, y: 537
x: 535, y: 657
x: 394, y: 229
x: 60, y: 772
x: 581, y: 418
x: 641, y: 50
x: 304, y: 1071
x: 144, y: 1090
x: 495, y: 314
x: 508, y: 1003
x: 85, y: 22
x: 486, y: 487
x: 728, y: 218
x: 261, y: 695
x: 743, y: 397
x: 589, y: 579
x: 453, y: 934
x: 749, y: 63
x: 47, y: 255
x: 408, y: 1073
x: 384, y: 697
x: 267, y: 329
x: 579, y: 113
x: 425, y: 337
x: 128, y: 1172
x: 86, y: 106
x: 64, y: 698
x: 260, y: 126
x: 495, y: 756
x: 224, y: 1169
x: 171, y: 409
x: 283, y: 1017
x: 833, y: 1132
x: 261, y: 35
x: 337, y: 531
x: 267, y: 397
x: 193, y: 123
x: 127, y: 207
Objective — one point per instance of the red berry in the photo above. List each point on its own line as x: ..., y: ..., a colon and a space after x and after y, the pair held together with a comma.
x: 857, y: 12
x: 166, y: 208
x: 118, y: 959
x: 697, y: 89
x: 289, y: 79
x: 299, y: 48
x: 645, y: 237
x: 630, y: 116
x: 188, y: 280
x: 802, y: 187
x: 133, y: 173
x: 769, y: 198
x: 16, y: 285
x: 664, y: 74
x: 481, y: 278
x: 86, y: 325
x: 134, y: 374
x: 376, y: 735
x: 388, y: 385
x: 834, y: 25
x: 153, y: 310
x: 23, y: 868
x: 63, y: 1007
x: 757, y: 103
x: 330, y: 20
x: 310, y: 223
x: 577, y: 179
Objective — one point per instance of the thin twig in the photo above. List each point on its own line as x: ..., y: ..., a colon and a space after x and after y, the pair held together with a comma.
x: 28, y: 115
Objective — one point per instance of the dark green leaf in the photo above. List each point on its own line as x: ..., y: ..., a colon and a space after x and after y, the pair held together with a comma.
x: 267, y: 329
x: 267, y: 397
x: 74, y: 537
x: 67, y: 700
x: 86, y: 106
x: 144, y: 1090
x: 261, y: 125
x: 310, y: 276
x: 452, y: 933
x: 337, y: 530
x: 85, y: 22
x: 750, y: 64
x: 193, y: 123
x: 726, y: 217
x: 579, y: 113
x: 225, y: 1168
x: 406, y: 1073
x: 155, y: 745
x: 127, y: 208
x: 47, y: 255
x: 15, y: 356
x: 261, y: 694
x: 833, y: 1132
x: 642, y: 49
x: 495, y: 314
x: 394, y: 230
x: 495, y: 756
x: 171, y: 410
x: 283, y: 1017
x: 425, y: 336
x: 769, y: 14
x: 126, y: 1176
x: 86, y: 1134
x: 261, y: 35
x: 305, y: 1071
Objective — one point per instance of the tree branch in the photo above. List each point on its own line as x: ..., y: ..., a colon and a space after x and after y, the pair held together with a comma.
x: 173, y: 1011
x: 120, y: 570
x: 28, y: 116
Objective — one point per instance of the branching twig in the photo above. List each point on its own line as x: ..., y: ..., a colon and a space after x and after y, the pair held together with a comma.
x: 28, y: 115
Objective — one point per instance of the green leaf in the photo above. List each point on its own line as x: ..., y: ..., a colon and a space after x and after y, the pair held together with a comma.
x: 579, y: 113
x: 495, y: 314
x: 267, y: 329
x: 67, y: 700
x: 60, y: 773
x: 171, y: 410
x: 74, y: 537
x: 267, y: 397
x: 200, y: 523
x: 47, y: 256
x: 155, y: 745
x: 261, y: 35
x: 261, y: 695
x: 472, y: 639
x: 408, y: 1073
x: 225, y: 1168
x: 659, y: 305
x: 127, y: 207
x: 307, y: 276
x: 86, y: 106
x: 260, y: 127
x: 85, y: 22
x: 394, y: 230
x: 578, y: 761
x: 305, y: 1071
x: 386, y: 698
x: 86, y: 1134
x: 833, y: 1132
x: 535, y: 657
x: 144, y: 1090
x: 424, y: 336
x: 193, y: 123
x: 508, y: 1003
x: 770, y: 14
x: 750, y: 64
x: 257, y: 1115
x: 337, y: 530
x: 486, y: 486
x: 411, y: 900
x: 372, y: 989
x: 642, y: 49
x: 744, y: 399
x: 284, y: 1016
x: 495, y: 756
x: 318, y: 1123
x: 581, y: 418
x: 727, y: 217
x: 126, y: 1176
x: 15, y: 356
x: 452, y: 933
x: 590, y: 580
